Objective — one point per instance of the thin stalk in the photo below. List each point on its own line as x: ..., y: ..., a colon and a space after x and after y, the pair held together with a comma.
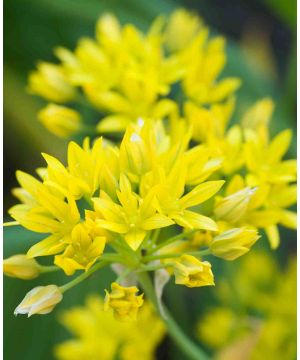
x: 154, y: 267
x: 11, y: 223
x: 155, y: 235
x: 48, y: 269
x: 187, y: 346
x: 82, y: 277
x: 171, y: 240
x: 175, y: 255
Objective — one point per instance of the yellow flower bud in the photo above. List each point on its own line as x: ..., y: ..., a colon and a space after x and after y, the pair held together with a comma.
x: 60, y: 120
x: 20, y: 266
x: 123, y: 301
x: 40, y: 300
x: 50, y: 82
x: 191, y: 272
x: 233, y: 207
x: 233, y: 243
x: 134, y: 155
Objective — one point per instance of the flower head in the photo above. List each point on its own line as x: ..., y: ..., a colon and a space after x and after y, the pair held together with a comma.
x: 124, y: 301
x: 40, y: 300
x: 191, y: 272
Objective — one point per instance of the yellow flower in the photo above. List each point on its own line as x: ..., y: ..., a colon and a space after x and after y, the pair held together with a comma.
x: 60, y: 120
x: 201, y: 164
x: 204, y: 60
x: 50, y: 82
x: 133, y: 218
x: 191, y: 272
x: 40, y: 300
x: 81, y: 178
x: 209, y: 123
x: 20, y: 266
x: 47, y: 213
x: 258, y: 117
x: 124, y: 302
x: 233, y: 243
x: 266, y: 207
x: 127, y: 340
x: 83, y: 251
x: 264, y: 159
x: 129, y: 75
x: 174, y: 204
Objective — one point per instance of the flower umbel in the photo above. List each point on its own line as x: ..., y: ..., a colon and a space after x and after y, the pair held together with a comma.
x: 169, y: 182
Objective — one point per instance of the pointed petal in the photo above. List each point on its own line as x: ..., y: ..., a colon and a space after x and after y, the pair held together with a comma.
x: 201, y: 193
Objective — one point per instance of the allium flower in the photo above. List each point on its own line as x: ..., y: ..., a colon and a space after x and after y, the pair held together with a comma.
x: 124, y: 301
x: 169, y: 182
x: 191, y: 272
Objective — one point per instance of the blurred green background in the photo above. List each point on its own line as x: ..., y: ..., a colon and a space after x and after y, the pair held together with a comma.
x: 261, y: 50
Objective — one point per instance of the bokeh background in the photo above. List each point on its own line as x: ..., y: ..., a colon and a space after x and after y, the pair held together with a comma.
x: 261, y: 50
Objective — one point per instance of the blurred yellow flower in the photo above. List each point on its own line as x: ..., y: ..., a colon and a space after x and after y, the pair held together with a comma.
x: 125, y: 340
x: 50, y: 82
x: 259, y: 320
x: 130, y: 75
x: 60, y: 120
x: 20, y: 266
x: 182, y: 27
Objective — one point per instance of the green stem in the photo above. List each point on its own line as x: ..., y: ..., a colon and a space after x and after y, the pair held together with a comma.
x: 185, y: 344
x: 48, y: 269
x: 171, y: 240
x: 155, y: 236
x: 154, y: 267
x: 82, y: 277
x: 175, y: 255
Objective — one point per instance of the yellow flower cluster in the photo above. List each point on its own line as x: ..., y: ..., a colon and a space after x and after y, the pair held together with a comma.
x: 111, y: 194
x: 125, y: 341
x: 156, y: 201
x: 261, y: 319
x: 126, y: 75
